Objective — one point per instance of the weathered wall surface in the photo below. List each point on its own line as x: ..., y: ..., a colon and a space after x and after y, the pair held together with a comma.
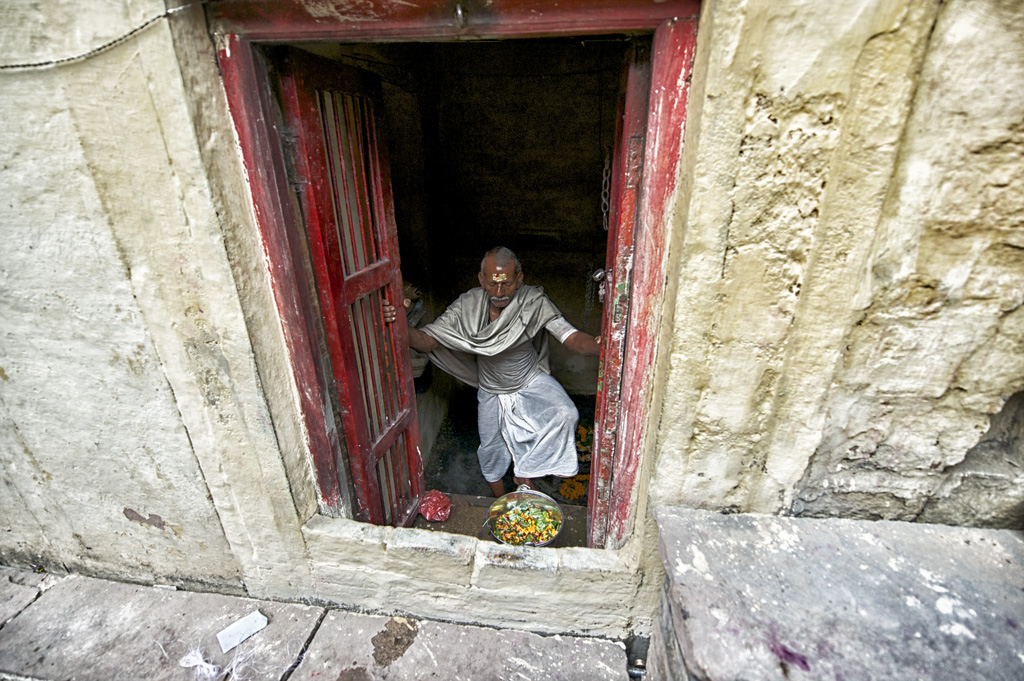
x: 847, y: 314
x: 98, y: 470
x: 135, y: 438
x: 939, y: 344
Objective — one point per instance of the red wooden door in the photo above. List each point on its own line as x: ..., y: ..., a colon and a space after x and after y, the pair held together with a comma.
x: 345, y: 188
x: 627, y: 166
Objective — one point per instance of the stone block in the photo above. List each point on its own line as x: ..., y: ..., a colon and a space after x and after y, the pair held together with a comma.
x: 532, y: 588
x: 498, y: 565
x: 434, y: 555
x: 597, y: 576
x: 592, y: 561
x: 763, y: 597
x: 354, y: 586
x: 333, y: 540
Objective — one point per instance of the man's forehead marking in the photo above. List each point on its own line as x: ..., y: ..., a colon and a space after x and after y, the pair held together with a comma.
x: 499, y: 277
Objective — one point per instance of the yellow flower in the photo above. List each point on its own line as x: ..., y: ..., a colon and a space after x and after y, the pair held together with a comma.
x: 575, y: 487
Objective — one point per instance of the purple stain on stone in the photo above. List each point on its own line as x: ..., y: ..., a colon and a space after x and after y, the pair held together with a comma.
x: 790, y: 657
x: 785, y: 654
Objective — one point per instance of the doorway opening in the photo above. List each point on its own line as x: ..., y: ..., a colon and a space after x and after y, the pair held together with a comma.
x: 498, y: 143
x: 364, y: 449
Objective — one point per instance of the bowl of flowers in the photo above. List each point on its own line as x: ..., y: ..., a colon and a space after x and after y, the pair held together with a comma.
x: 525, y: 517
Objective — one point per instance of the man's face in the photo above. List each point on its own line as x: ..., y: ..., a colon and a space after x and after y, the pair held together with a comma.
x: 501, y: 281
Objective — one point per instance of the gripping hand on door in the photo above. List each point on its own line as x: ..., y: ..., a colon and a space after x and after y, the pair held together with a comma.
x: 417, y: 339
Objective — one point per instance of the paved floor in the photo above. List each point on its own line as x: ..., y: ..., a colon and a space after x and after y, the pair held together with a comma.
x: 72, y: 628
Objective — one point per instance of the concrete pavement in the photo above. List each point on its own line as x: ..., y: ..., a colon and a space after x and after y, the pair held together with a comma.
x: 73, y: 628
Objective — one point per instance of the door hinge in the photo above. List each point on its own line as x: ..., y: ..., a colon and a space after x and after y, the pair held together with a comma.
x: 288, y: 140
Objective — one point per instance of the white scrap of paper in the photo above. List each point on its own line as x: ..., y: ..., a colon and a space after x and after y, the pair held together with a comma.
x: 235, y: 633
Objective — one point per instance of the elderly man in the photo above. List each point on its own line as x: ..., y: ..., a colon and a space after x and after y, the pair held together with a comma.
x: 495, y: 339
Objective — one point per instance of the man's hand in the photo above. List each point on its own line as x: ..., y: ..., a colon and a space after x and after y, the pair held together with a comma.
x: 390, y: 313
x: 417, y: 339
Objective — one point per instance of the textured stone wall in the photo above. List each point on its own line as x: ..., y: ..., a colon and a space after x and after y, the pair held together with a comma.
x: 97, y: 469
x: 135, y: 437
x: 847, y: 315
x: 938, y: 347
x: 844, y: 334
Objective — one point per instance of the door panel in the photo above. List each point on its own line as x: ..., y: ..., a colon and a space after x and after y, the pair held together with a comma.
x: 345, y: 191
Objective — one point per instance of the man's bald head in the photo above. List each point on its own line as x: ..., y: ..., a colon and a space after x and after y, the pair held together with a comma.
x: 501, y: 256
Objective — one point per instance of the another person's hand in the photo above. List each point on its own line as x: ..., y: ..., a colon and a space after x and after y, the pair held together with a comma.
x: 390, y: 312
x: 417, y: 339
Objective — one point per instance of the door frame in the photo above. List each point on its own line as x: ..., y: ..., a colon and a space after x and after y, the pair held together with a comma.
x: 241, y: 29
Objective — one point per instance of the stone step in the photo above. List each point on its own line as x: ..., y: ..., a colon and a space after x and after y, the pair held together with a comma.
x: 72, y: 627
x: 766, y: 597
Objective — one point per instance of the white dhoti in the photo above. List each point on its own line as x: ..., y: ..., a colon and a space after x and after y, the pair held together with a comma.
x: 524, y: 415
x: 534, y: 427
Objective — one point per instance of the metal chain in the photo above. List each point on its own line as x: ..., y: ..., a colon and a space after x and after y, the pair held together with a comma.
x: 606, y: 182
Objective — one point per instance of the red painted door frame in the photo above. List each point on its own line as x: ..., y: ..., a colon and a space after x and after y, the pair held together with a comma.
x: 627, y: 173
x: 242, y: 27
x: 675, y: 43
x: 386, y: 20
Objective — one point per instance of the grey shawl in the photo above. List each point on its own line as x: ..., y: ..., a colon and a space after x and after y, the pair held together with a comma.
x: 465, y: 330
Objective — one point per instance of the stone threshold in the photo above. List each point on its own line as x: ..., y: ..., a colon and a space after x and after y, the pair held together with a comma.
x: 469, y: 514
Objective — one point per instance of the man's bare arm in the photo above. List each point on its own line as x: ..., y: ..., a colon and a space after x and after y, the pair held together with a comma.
x: 417, y: 339
x: 422, y: 341
x: 583, y: 343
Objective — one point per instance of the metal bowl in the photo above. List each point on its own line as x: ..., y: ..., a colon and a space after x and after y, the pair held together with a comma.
x: 524, y: 497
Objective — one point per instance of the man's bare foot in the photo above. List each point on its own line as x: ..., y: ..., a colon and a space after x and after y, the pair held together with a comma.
x: 523, y: 481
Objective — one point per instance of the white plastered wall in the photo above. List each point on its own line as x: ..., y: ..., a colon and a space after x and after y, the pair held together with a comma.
x: 136, y: 436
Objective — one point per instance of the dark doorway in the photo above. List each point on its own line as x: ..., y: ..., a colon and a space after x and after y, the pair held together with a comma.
x: 498, y: 143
